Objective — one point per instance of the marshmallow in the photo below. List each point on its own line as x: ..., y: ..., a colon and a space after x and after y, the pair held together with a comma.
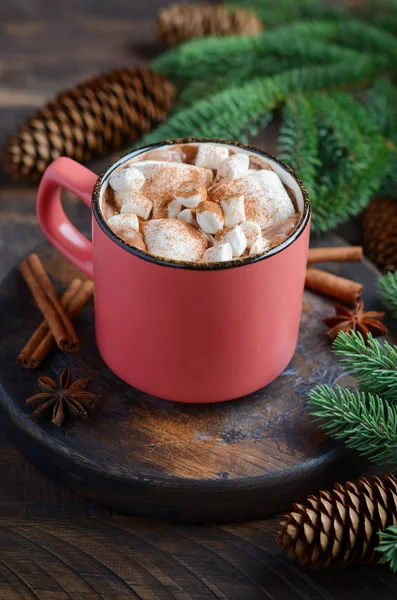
x: 187, y: 216
x: 265, y: 198
x: 209, y: 217
x: 235, y: 237
x: 165, y: 154
x: 128, y: 178
x: 234, y: 167
x: 173, y: 209
x: 126, y: 221
x: 210, y: 156
x: 252, y: 232
x: 218, y: 253
x: 162, y: 178
x: 260, y: 246
x: 286, y: 227
x: 173, y: 239
x: 190, y: 193
x: 135, y: 202
x: 233, y: 210
x: 131, y: 237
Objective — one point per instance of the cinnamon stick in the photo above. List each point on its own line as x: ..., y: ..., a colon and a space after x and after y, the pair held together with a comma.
x: 339, y: 254
x: 42, y: 341
x: 48, y: 302
x: 25, y: 357
x: 333, y: 285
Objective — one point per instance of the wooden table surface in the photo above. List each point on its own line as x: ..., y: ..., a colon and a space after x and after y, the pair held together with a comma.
x: 54, y: 545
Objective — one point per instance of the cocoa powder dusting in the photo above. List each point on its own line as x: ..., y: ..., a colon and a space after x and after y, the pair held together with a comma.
x: 170, y: 171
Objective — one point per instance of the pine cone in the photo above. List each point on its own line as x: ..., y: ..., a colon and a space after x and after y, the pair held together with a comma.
x: 182, y: 22
x: 379, y: 232
x: 341, y: 527
x: 97, y: 116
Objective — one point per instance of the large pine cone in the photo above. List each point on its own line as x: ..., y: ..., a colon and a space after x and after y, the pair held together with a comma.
x: 97, y: 116
x: 342, y: 526
x: 182, y: 22
x: 380, y: 232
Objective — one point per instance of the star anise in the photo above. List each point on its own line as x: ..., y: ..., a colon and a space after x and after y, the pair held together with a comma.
x: 355, y: 320
x: 64, y: 400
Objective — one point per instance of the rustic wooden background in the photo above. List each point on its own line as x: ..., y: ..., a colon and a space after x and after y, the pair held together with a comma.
x: 54, y: 545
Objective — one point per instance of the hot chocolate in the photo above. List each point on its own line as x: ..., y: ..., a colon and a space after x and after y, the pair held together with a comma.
x: 200, y: 202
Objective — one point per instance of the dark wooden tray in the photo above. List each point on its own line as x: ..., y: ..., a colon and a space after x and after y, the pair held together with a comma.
x: 242, y: 459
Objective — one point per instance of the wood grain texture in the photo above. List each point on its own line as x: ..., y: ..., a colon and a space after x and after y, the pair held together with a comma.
x: 125, y: 558
x: 230, y: 461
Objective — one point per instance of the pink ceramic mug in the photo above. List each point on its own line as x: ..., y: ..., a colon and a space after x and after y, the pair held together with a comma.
x: 183, y: 331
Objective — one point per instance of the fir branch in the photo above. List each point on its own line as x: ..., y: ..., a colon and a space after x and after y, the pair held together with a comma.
x: 364, y: 165
x: 387, y: 287
x: 381, y: 101
x: 388, y: 547
x: 366, y: 422
x: 231, y: 113
x: 299, y: 140
x: 374, y: 366
x: 212, y: 56
x: 273, y: 58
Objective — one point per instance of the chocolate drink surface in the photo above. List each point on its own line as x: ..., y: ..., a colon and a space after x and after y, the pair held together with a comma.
x: 200, y: 202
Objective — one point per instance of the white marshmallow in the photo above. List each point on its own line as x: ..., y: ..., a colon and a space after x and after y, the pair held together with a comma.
x: 260, y: 246
x: 191, y: 193
x: 187, y: 216
x: 209, y: 217
x: 233, y: 210
x: 173, y: 209
x: 126, y: 179
x: 252, y: 232
x: 265, y: 198
x: 128, y: 220
x: 234, y: 167
x: 170, y: 238
x: 135, y: 202
x: 218, y: 253
x: 210, y: 156
x: 164, y: 154
x: 235, y: 237
x: 123, y: 227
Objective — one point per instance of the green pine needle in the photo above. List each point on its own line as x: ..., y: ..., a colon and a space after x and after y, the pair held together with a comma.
x: 299, y: 140
x: 387, y: 287
x: 231, y: 113
x: 373, y: 365
x: 388, y: 547
x: 381, y: 102
x: 267, y: 53
x: 366, y: 422
x: 363, y: 164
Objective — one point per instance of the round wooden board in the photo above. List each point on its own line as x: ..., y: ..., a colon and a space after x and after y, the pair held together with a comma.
x: 242, y: 459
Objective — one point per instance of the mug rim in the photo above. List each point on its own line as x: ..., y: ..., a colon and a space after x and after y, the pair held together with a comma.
x: 197, y: 266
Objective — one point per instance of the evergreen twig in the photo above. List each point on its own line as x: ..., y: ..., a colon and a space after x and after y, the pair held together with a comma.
x: 388, y: 547
x: 387, y: 287
x: 231, y: 112
x: 374, y: 366
x: 366, y: 422
x: 299, y: 140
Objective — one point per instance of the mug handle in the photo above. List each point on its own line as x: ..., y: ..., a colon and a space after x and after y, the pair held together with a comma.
x: 69, y: 174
